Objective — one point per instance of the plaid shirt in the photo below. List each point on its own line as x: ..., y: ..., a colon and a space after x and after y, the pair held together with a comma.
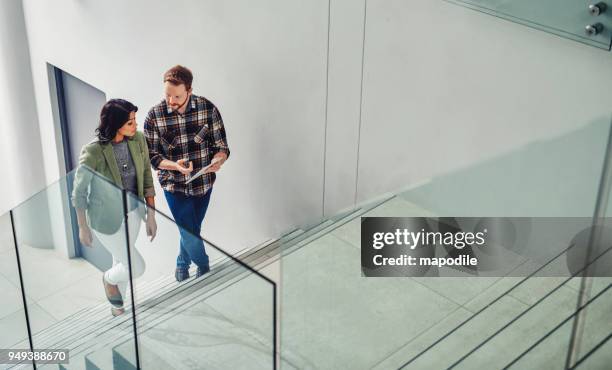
x: 196, y: 135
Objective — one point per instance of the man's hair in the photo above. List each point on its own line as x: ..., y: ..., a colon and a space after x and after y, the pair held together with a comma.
x: 178, y: 75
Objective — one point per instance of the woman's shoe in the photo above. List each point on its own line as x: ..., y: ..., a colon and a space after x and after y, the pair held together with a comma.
x: 112, y: 294
x: 116, y: 311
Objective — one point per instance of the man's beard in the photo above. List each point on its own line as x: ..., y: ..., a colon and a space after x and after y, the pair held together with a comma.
x: 176, y: 107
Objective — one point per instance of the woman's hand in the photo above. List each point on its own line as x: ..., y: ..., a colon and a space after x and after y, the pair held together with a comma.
x: 85, y: 235
x: 151, y: 224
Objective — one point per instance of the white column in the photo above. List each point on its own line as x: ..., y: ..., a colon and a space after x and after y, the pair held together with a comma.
x: 20, y: 152
x: 20, y: 145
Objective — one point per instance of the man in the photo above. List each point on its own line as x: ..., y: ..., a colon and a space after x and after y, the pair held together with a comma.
x: 185, y: 133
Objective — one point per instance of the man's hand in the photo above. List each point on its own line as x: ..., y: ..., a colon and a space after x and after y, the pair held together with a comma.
x: 180, y: 166
x: 217, y: 162
x: 85, y: 235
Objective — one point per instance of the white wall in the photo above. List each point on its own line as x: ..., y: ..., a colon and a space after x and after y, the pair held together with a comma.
x: 444, y: 87
x: 263, y: 66
x: 20, y: 150
x: 22, y: 168
x: 346, y: 27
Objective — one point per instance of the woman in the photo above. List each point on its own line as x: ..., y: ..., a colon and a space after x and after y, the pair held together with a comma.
x: 120, y: 159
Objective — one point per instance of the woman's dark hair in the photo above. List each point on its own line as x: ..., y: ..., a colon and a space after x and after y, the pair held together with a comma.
x: 115, y: 113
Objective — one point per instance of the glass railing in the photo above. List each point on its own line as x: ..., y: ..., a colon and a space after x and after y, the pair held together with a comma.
x: 469, y: 319
x: 551, y: 349
x: 114, y: 304
x: 584, y: 21
x: 224, y: 320
x: 13, y: 316
x: 591, y: 325
x: 54, y: 297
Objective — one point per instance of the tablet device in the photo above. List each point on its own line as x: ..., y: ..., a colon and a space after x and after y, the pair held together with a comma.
x: 202, y: 171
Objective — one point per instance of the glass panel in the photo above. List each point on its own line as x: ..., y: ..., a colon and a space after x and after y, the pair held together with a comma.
x: 526, y: 182
x: 221, y: 320
x: 599, y: 358
x: 441, y: 122
x: 533, y: 336
x: 550, y: 351
x: 66, y: 298
x: 433, y: 322
x: 13, y: 327
x: 566, y: 18
x: 593, y: 323
x: 498, y: 318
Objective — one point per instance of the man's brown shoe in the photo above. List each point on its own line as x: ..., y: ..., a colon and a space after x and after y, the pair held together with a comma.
x: 112, y: 294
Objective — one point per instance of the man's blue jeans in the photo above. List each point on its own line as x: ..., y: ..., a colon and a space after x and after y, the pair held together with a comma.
x: 189, y: 212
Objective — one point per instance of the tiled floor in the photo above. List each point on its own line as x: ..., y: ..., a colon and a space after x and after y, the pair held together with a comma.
x: 55, y: 286
x: 600, y: 359
x: 336, y: 318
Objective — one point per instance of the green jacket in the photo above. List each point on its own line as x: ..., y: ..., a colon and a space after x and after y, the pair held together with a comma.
x: 100, y: 193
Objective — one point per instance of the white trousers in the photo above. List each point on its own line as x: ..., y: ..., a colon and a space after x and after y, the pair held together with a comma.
x: 115, y: 243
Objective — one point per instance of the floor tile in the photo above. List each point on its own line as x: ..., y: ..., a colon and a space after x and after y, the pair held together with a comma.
x: 39, y: 318
x: 394, y: 207
x: 597, y: 321
x: 8, y: 266
x: 420, y: 343
x: 549, y: 354
x: 599, y: 360
x: 523, y: 332
x: 84, y: 293
x: 45, y: 272
x: 11, y: 297
x: 597, y: 283
x: 326, y: 303
x: 491, y: 293
x: 13, y: 327
x: 468, y: 336
x: 536, y: 288
x: 458, y: 289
